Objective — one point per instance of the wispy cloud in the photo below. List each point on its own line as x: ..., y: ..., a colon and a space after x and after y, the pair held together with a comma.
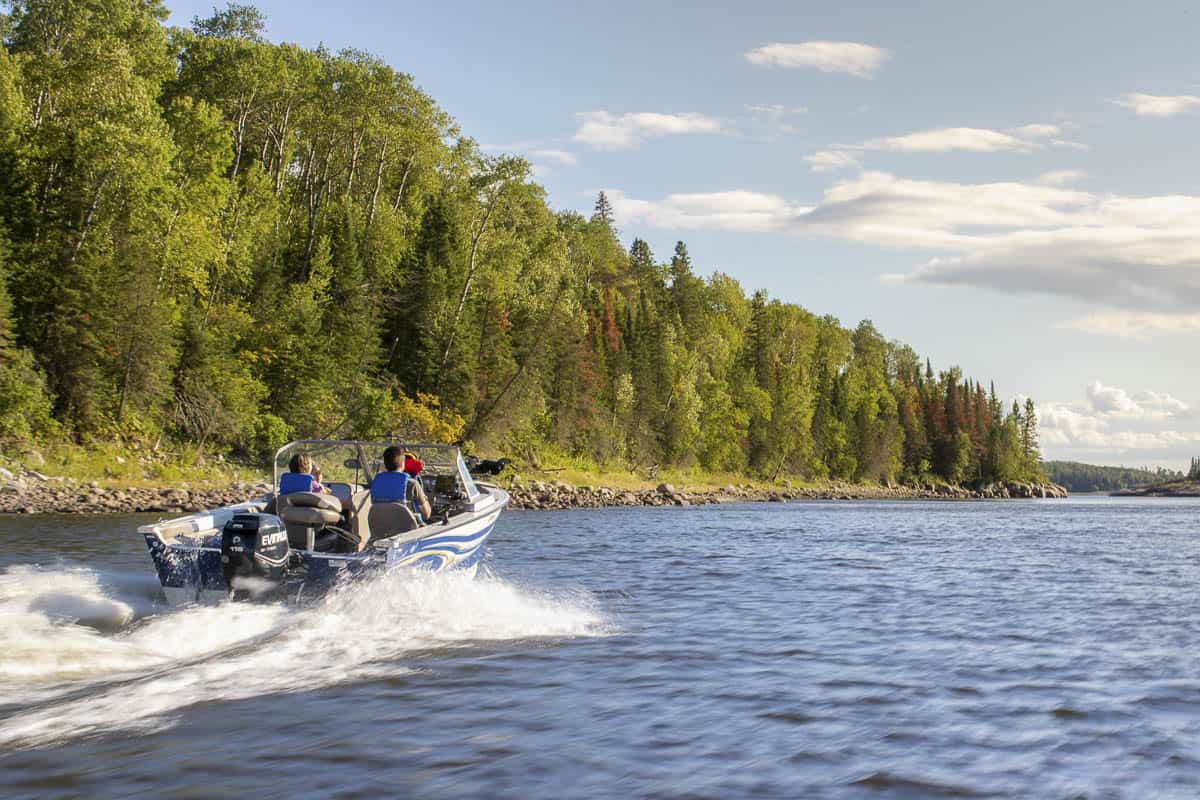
x: 1060, y: 177
x: 942, y: 140
x: 1135, y: 324
x: 976, y: 140
x: 830, y: 160
x: 562, y: 157
x: 851, y: 58
x: 1157, y: 105
x: 770, y: 121
x: 1134, y: 254
x: 1023, y: 139
x: 736, y: 210
x: 542, y: 158
x: 776, y: 110
x: 1036, y: 131
x: 605, y: 130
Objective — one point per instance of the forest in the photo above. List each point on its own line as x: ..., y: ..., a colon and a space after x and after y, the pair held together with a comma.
x: 213, y: 239
x: 1077, y: 477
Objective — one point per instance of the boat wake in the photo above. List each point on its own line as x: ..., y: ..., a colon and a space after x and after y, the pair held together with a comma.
x: 85, y: 653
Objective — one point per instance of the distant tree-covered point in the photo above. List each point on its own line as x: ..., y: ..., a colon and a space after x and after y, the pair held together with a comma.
x: 1077, y: 477
x: 213, y: 239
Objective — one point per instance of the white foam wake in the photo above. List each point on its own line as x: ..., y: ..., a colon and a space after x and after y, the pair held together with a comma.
x: 86, y: 682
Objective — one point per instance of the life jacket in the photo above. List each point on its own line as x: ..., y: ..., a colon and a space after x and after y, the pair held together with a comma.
x: 290, y: 482
x: 392, y: 487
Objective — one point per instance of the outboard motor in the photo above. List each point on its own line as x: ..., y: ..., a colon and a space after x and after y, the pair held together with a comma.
x: 254, y: 553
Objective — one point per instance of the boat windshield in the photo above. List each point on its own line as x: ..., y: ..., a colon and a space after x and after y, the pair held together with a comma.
x: 355, y: 463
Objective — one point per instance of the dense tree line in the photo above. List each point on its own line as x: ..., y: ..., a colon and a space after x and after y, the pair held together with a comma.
x: 212, y: 238
x: 1079, y: 477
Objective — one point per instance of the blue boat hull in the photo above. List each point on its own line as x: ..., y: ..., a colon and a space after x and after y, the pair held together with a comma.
x: 187, y: 554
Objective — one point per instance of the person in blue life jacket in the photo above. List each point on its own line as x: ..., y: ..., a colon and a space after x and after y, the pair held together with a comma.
x: 302, y: 464
x: 396, y: 460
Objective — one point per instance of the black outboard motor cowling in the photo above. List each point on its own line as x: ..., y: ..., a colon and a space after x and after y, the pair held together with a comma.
x: 254, y: 552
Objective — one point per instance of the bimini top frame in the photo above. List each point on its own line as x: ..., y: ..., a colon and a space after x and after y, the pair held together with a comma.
x: 356, y: 462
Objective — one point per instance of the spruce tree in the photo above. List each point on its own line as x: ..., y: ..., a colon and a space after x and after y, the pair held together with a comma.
x: 603, y: 210
x: 1029, y: 436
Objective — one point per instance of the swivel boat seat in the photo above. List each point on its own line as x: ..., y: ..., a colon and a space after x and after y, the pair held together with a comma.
x: 305, y: 513
x: 389, y: 513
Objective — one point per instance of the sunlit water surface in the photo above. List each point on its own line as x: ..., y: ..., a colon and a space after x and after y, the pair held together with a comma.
x: 1006, y: 649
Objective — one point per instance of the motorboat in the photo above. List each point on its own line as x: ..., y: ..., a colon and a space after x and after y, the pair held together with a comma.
x: 306, y: 535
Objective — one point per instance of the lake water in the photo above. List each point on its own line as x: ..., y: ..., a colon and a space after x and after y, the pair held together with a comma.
x: 874, y: 649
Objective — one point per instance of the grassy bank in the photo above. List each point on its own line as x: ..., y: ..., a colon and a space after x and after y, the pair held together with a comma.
x: 123, y: 467
x: 120, y: 466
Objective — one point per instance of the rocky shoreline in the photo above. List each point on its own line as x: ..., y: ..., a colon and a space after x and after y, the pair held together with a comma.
x: 32, y: 492
x: 556, y: 495
x: 1177, y: 489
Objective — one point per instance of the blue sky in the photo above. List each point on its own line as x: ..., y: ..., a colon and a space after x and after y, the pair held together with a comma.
x: 1008, y: 187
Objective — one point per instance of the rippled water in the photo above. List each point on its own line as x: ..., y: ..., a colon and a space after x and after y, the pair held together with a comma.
x: 1013, y: 649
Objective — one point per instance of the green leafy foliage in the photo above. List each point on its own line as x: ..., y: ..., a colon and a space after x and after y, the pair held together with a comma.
x: 225, y: 242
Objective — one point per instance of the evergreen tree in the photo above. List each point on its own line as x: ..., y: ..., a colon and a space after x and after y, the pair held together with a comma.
x: 1029, y: 435
x: 603, y: 211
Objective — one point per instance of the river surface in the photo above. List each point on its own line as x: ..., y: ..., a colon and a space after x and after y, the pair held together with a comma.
x: 864, y: 650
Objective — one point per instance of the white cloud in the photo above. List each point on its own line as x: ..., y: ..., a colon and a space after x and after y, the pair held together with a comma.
x: 1023, y: 139
x: 563, y: 157
x: 851, y: 58
x: 540, y: 156
x: 734, y: 210
x: 1060, y: 177
x: 1070, y: 144
x: 776, y: 110
x: 1037, y: 131
x: 941, y: 140
x: 829, y: 160
x: 1135, y: 324
x: 1156, y: 105
x: 1161, y: 406
x: 769, y: 121
x: 1112, y: 400
x: 1114, y: 425
x: 1135, y: 254
x: 613, y: 131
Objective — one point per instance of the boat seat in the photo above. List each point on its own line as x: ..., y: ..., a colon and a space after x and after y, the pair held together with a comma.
x: 388, y: 519
x: 389, y: 512
x: 359, y: 520
x: 304, y: 514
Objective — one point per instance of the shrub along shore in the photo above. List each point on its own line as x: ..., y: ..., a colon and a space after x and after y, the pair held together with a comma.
x: 31, y: 492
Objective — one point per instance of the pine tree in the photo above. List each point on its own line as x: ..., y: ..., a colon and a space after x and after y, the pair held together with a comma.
x: 603, y: 210
x: 1029, y: 436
